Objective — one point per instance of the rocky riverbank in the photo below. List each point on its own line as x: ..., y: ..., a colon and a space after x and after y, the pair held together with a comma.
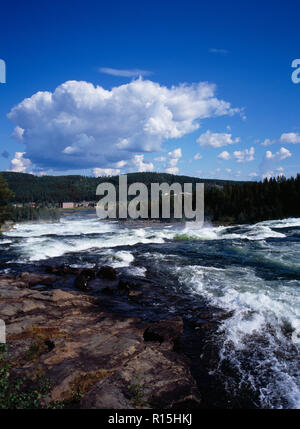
x: 87, y: 356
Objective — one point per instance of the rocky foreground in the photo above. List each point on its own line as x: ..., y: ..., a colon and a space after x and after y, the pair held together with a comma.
x: 89, y: 357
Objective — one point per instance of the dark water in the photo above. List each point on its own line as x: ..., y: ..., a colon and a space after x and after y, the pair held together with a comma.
x: 237, y: 289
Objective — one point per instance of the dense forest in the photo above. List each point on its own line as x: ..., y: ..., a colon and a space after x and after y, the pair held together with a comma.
x: 250, y: 202
x: 5, y: 196
x: 225, y: 201
x: 57, y: 189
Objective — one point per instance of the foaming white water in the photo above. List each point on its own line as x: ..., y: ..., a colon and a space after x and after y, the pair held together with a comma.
x: 5, y: 242
x: 120, y: 258
x: 282, y: 223
x: 258, y: 231
x: 262, y: 338
x: 36, y: 242
x: 66, y: 226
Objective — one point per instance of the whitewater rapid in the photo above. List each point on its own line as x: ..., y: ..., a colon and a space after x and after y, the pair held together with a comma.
x: 252, y: 271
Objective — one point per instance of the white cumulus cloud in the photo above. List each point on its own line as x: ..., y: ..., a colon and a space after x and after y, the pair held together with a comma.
x: 105, y: 172
x: 141, y: 166
x: 285, y: 138
x: 20, y: 164
x: 174, y: 157
x: 80, y: 125
x: 283, y: 153
x: 216, y: 140
x: 224, y: 155
x: 246, y: 155
x: 268, y: 166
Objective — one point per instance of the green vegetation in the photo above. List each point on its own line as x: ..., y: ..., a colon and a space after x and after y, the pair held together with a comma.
x: 27, y: 213
x: 5, y: 196
x: 137, y: 396
x: 254, y: 201
x: 225, y: 201
x: 19, y: 392
x: 53, y: 190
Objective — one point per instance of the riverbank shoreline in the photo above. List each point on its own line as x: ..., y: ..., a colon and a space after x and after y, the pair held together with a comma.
x: 91, y: 358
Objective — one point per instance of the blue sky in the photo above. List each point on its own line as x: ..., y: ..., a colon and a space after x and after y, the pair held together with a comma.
x: 197, y: 88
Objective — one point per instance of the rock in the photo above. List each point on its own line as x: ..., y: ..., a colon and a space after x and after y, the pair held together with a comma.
x: 89, y: 273
x: 164, y: 331
x: 108, y: 291
x: 79, y: 348
x: 82, y: 283
x: 62, y: 270
x: 148, y: 380
x: 123, y: 287
x: 106, y: 397
x: 7, y: 277
x: 107, y: 272
x: 33, y: 279
x: 135, y: 293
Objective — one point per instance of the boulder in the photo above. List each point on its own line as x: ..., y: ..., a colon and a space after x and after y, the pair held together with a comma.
x: 82, y: 283
x: 107, y: 272
x: 89, y: 273
x: 62, y: 270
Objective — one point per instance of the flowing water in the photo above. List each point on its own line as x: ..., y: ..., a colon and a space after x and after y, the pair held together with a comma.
x: 250, y: 271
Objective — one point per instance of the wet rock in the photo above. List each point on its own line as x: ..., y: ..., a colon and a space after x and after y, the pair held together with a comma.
x: 82, y: 283
x: 123, y: 287
x: 33, y: 279
x: 164, y: 331
x: 62, y: 270
x: 135, y: 293
x: 108, y: 291
x: 107, y: 272
x: 225, y: 315
x: 80, y: 348
x: 89, y: 273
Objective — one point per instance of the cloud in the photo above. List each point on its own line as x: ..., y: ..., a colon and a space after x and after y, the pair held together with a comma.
x: 19, y: 163
x: 219, y: 51
x: 83, y: 126
x: 174, y: 157
x: 17, y: 133
x: 125, y: 73
x: 141, y: 166
x: 198, y: 156
x: 5, y: 154
x: 228, y: 170
x: 224, y: 155
x: 293, y: 138
x: 246, y: 155
x: 268, y: 166
x: 160, y: 159
x: 285, y: 138
x: 105, y: 172
x: 215, y: 140
x: 253, y: 174
x: 283, y: 153
x: 172, y: 170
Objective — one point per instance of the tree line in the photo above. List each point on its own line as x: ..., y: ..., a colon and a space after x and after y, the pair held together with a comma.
x: 225, y: 201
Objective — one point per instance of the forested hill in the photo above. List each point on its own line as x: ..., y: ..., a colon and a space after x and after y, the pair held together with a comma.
x: 56, y: 189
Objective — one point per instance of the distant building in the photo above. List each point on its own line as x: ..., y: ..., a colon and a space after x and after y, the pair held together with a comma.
x: 68, y: 205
